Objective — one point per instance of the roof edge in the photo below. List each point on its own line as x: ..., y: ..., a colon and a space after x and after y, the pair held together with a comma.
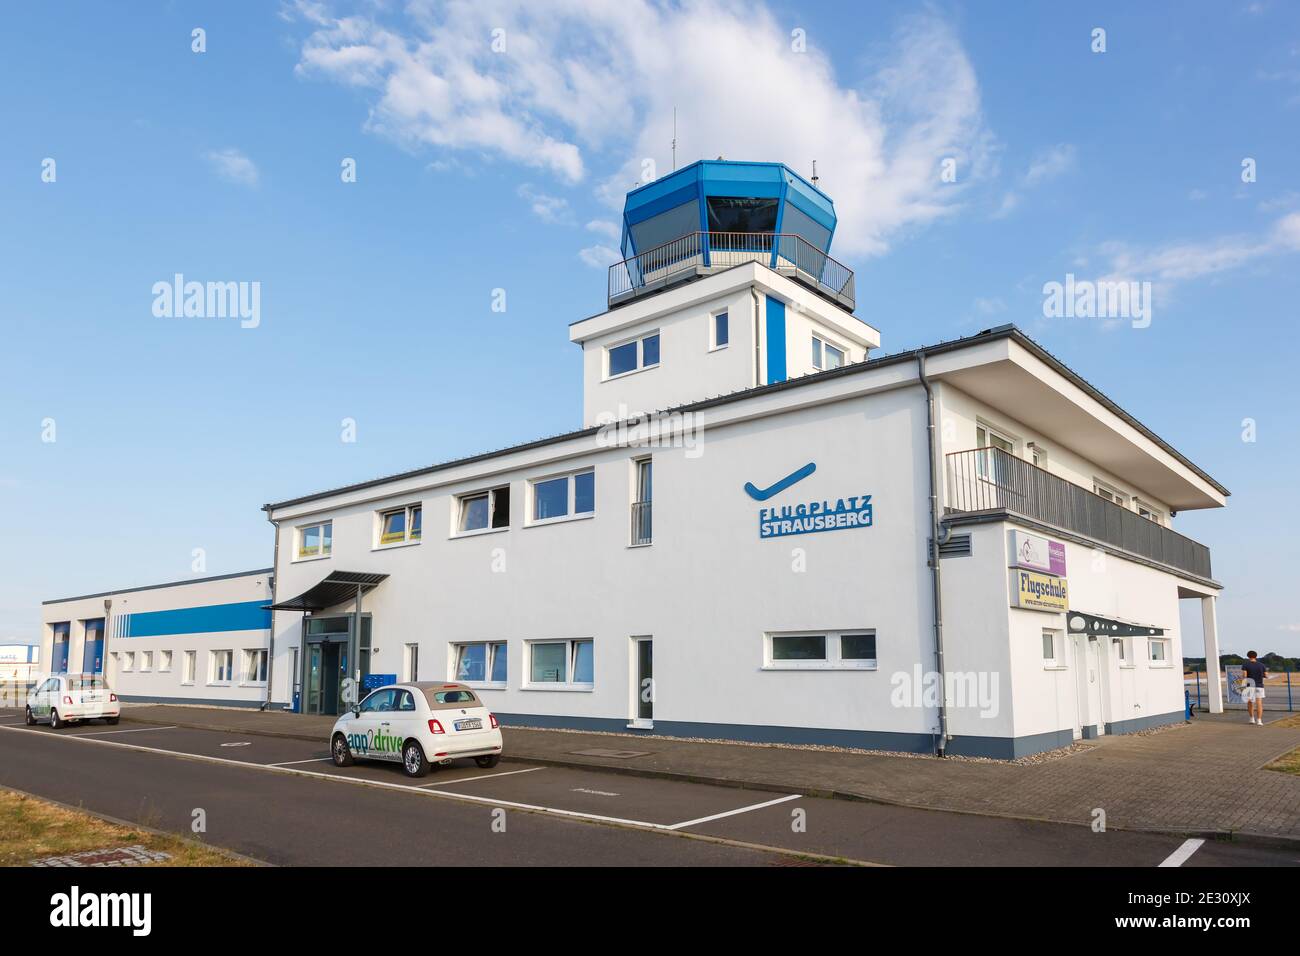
x: 155, y: 587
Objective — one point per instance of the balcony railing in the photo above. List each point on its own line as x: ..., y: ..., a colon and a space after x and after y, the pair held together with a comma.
x: 990, y: 479
x: 641, y: 530
x: 702, y: 253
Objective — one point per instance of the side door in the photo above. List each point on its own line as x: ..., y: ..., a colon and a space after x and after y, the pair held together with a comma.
x: 44, y: 694
x: 369, y: 731
x: 405, y: 720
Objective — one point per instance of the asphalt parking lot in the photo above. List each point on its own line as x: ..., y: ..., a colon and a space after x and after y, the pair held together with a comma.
x: 283, y: 801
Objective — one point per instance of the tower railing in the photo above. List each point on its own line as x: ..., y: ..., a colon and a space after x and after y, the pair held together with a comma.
x: 701, y: 253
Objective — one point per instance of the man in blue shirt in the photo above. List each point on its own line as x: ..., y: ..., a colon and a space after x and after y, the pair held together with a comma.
x: 1253, y: 692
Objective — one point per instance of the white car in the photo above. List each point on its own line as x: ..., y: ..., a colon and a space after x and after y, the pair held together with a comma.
x: 65, y: 698
x: 417, y: 725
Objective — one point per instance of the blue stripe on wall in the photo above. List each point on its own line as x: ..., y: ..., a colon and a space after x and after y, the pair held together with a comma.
x: 212, y: 618
x: 775, y: 340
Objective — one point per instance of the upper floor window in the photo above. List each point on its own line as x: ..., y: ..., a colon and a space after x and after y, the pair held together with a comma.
x: 825, y: 355
x: 315, y: 540
x: 484, y: 509
x: 987, y: 465
x: 1109, y: 492
x: 1146, y: 511
x: 563, y: 496
x: 643, y: 502
x: 721, y: 331
x: 400, y: 525
x: 630, y: 356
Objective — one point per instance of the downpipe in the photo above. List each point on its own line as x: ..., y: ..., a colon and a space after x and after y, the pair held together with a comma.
x: 936, y: 580
x: 270, y: 641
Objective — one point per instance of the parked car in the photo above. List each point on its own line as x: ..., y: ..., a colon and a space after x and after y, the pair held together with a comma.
x: 68, y: 698
x: 417, y: 725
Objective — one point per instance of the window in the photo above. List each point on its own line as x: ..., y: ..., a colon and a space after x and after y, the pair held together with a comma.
x: 164, y: 661
x: 1108, y: 492
x: 380, y: 702
x: 990, y: 441
x: 400, y: 525
x: 146, y: 661
x: 221, y: 667
x: 1159, y: 652
x: 255, y: 666
x: 1038, y: 455
x: 562, y: 662
x: 128, y: 662
x: 483, y: 662
x: 630, y: 356
x: 641, y: 506
x: 1120, y: 647
x: 412, y: 662
x: 826, y: 650
x: 484, y: 510
x: 826, y: 355
x: 566, y: 495
x: 1051, y: 647
x: 1146, y: 511
x: 721, y: 332
x: 187, y: 668
x: 315, y: 540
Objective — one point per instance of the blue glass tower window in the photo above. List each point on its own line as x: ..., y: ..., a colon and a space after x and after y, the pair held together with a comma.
x: 735, y: 214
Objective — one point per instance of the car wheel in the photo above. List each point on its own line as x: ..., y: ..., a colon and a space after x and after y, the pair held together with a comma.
x: 414, y: 763
x: 340, y: 752
x: 111, y: 720
x: 29, y: 718
x: 488, y: 762
x: 57, y: 722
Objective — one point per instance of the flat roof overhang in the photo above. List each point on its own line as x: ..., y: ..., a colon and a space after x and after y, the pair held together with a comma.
x: 335, y: 588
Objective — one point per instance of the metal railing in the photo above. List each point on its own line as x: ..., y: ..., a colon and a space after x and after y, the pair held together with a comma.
x: 641, y: 529
x: 699, y: 253
x: 990, y: 479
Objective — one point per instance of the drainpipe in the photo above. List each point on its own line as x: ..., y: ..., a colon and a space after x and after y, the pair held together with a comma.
x: 933, y: 558
x: 758, y: 350
x: 270, y: 643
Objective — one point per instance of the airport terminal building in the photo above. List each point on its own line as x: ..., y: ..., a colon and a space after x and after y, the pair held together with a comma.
x: 764, y: 530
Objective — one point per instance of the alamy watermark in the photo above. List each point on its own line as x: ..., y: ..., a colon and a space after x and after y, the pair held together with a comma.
x: 974, y: 690
x: 1086, y: 299
x: 180, y: 299
x: 622, y: 429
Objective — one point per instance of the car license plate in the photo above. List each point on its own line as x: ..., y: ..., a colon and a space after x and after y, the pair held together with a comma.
x: 473, y: 723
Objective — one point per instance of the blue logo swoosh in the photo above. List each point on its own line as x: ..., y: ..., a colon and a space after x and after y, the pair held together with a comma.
x: 762, y: 494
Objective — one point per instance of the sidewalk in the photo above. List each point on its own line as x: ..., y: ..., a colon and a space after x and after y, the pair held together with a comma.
x: 1206, y: 778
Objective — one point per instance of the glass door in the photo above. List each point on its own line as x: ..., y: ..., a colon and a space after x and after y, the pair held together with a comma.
x: 645, y: 682
x: 314, y: 664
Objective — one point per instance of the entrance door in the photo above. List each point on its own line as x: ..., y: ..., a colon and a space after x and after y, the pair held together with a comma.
x: 1087, y: 657
x: 330, y: 678
x: 314, y: 678
x: 645, y: 684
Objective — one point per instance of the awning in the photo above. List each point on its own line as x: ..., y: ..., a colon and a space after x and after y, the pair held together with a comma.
x: 337, y: 587
x: 1081, y: 622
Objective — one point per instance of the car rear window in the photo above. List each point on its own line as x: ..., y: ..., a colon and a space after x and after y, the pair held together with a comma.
x: 87, y: 683
x: 449, y: 698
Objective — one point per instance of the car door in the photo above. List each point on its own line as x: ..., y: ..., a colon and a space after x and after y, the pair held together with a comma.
x: 370, y: 731
x: 405, y: 720
x: 44, y: 696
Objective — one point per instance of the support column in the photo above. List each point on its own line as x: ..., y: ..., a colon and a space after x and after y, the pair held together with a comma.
x: 1210, y: 629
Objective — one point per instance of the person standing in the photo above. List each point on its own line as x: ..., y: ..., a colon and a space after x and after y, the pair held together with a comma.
x: 1253, y: 692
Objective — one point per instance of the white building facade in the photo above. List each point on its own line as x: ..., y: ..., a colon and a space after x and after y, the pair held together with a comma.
x: 738, y: 542
x: 197, y: 641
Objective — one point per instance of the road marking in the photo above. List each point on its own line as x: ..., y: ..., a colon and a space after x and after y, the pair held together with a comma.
x: 732, y: 813
x: 486, y: 776
x: 239, y: 743
x: 1184, y: 852
x: 290, y: 763
x: 137, y: 730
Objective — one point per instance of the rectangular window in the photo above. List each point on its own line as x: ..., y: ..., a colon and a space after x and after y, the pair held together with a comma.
x: 484, y: 509
x: 255, y: 666
x: 481, y: 662
x: 187, y: 667
x: 567, y: 495
x: 1121, y: 649
x: 721, y: 333
x: 400, y: 525
x: 642, y: 503
x: 1108, y: 492
x: 1146, y: 511
x: 146, y: 661
x: 1159, y: 652
x: 630, y: 356
x: 315, y: 540
x: 825, y: 355
x: 128, y: 662
x: 164, y: 661
x: 829, y: 650
x: 1050, y: 644
x: 221, y: 667
x: 989, y: 442
x: 412, y: 662
x: 571, y: 663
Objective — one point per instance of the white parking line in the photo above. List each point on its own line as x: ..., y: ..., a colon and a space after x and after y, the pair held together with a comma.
x: 732, y: 813
x: 290, y: 763
x: 486, y: 776
x: 1184, y: 852
x: 136, y: 730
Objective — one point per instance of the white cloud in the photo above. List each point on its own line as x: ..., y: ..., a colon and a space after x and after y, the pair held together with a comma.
x: 600, y: 257
x: 554, y: 209
x: 1183, y: 261
x: 1050, y: 163
x: 1196, y: 195
x: 233, y: 166
x: 990, y: 306
x: 607, y: 228
x: 582, y: 85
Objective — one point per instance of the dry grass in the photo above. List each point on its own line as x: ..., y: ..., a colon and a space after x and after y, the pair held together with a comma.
x: 31, y: 829
x: 1292, y: 721
x: 1287, y: 763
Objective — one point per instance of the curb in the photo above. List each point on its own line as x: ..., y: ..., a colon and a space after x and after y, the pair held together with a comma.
x: 1245, y: 837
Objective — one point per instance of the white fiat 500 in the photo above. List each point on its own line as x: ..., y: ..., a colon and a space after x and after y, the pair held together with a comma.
x: 417, y: 725
x: 65, y: 698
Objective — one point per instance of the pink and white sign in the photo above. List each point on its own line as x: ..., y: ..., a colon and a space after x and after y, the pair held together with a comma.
x: 1037, y: 554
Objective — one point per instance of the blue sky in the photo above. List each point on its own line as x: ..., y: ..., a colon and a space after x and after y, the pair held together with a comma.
x: 482, y: 169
